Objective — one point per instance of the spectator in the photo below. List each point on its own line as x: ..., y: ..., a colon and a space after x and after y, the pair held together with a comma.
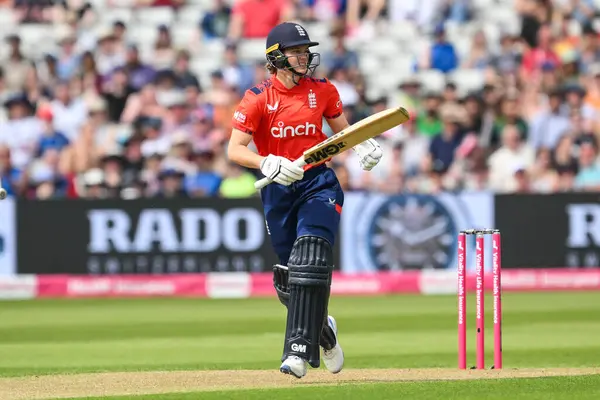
x: 508, y: 58
x: 238, y: 183
x: 69, y: 112
x: 236, y: 73
x: 10, y: 176
x: 428, y: 120
x: 541, y: 55
x: 548, y: 126
x: 544, y: 178
x: 479, y: 56
x: 163, y: 55
x: 348, y: 94
x: 364, y: 26
x: 50, y: 139
x: 16, y: 66
x: 444, y: 145
x: 588, y: 177
x: 115, y: 92
x: 253, y: 19
x: 21, y: 132
x: 441, y: 55
x: 509, y: 159
x: 204, y: 182
x: 341, y: 57
x: 171, y: 184
x: 184, y: 78
x: 215, y: 23
x: 138, y: 73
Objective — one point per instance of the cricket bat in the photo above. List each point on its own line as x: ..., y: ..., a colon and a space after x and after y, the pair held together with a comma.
x: 344, y: 140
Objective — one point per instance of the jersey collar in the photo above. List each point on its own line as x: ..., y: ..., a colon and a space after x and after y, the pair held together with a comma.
x: 281, y: 87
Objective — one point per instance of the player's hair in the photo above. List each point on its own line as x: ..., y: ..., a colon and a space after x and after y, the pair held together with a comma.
x: 272, y: 70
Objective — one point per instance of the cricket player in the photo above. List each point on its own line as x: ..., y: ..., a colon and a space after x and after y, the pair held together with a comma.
x: 284, y: 116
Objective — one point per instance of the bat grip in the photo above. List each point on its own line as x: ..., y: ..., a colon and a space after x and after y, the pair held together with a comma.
x: 261, y: 183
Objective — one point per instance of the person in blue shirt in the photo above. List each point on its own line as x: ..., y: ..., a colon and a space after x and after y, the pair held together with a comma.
x: 205, y: 182
x: 444, y: 145
x: 51, y: 138
x: 442, y: 55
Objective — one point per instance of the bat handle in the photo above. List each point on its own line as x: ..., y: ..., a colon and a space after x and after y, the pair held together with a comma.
x: 261, y: 183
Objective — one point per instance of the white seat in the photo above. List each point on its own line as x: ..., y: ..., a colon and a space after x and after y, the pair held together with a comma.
x: 111, y: 15
x: 184, y: 34
x: 432, y: 79
x: 203, y: 4
x: 34, y: 33
x: 190, y: 14
x: 251, y: 49
x: 468, y: 80
x: 156, y: 16
x: 142, y: 34
x: 204, y: 66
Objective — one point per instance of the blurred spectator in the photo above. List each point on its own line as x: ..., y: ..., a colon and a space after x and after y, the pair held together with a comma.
x: 331, y: 11
x: 51, y: 139
x: 251, y: 19
x: 215, y: 23
x: 540, y: 56
x: 137, y: 73
x: 204, y: 182
x: 479, y: 56
x: 363, y: 24
x: 548, y: 126
x: 340, y: 79
x: 588, y: 177
x: 442, y: 55
x: 16, y: 66
x: 109, y: 54
x: 443, y: 146
x: 184, y: 78
x: 116, y: 91
x: 236, y: 73
x: 508, y: 58
x: 238, y: 183
x: 69, y: 110
x: 171, y: 184
x: 9, y: 175
x: 513, y: 156
x: 340, y: 57
x: 534, y: 13
x: 163, y: 55
x: 428, y: 121
x: 544, y: 178
x: 21, y: 132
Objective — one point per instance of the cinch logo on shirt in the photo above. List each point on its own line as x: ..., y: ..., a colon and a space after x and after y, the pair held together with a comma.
x: 282, y: 131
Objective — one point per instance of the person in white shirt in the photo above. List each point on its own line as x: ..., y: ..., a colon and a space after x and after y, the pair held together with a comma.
x: 512, y: 155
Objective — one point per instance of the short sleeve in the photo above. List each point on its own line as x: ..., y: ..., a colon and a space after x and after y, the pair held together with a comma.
x: 247, y: 115
x: 334, y: 107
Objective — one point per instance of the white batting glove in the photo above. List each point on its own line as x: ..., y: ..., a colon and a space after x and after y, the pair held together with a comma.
x: 281, y: 170
x: 369, y: 154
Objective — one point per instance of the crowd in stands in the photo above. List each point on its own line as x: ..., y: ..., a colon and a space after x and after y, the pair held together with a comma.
x: 94, y: 111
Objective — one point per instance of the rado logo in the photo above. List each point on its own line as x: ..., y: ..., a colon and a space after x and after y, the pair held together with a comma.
x: 192, y: 230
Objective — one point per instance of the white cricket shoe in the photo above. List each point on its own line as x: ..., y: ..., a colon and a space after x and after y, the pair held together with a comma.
x: 334, y: 358
x: 294, y: 365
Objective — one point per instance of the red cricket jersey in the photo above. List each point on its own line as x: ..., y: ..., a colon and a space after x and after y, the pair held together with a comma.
x: 286, y: 122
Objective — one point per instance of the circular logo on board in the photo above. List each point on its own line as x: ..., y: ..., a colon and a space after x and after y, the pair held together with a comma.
x: 411, y: 232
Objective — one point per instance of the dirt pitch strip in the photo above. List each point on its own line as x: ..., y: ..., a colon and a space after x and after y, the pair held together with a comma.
x: 135, y: 383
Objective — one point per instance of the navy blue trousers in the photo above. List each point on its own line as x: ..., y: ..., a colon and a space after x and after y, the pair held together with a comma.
x: 311, y: 206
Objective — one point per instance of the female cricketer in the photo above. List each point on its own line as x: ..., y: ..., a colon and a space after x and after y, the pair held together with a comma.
x: 284, y: 116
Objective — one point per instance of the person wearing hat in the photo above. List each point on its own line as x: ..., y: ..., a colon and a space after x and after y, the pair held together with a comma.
x: 283, y: 116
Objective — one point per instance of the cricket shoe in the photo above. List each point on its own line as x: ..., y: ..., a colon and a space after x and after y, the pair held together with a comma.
x: 294, y: 365
x: 334, y: 358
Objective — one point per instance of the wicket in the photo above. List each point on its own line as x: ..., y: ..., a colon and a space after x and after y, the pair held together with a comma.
x: 479, y: 293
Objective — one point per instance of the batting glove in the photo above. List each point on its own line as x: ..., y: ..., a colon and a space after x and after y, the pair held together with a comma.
x: 369, y: 154
x: 281, y: 170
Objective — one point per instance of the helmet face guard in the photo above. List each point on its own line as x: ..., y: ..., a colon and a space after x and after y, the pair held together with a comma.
x: 278, y: 60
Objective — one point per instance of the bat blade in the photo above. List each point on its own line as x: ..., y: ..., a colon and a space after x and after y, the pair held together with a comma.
x: 357, y: 133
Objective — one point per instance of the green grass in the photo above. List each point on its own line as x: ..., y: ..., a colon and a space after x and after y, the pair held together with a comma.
x: 580, y: 388
x: 541, y: 330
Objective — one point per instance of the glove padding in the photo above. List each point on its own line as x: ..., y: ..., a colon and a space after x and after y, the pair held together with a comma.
x: 369, y: 153
x: 281, y: 170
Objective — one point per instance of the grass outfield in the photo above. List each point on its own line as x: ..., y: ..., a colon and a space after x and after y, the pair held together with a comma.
x: 556, y: 332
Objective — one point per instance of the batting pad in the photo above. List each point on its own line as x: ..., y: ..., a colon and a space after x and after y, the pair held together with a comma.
x: 310, y: 266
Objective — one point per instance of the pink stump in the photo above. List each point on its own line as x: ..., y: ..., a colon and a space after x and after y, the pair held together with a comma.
x: 462, y: 302
x: 480, y: 301
x: 497, y: 290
